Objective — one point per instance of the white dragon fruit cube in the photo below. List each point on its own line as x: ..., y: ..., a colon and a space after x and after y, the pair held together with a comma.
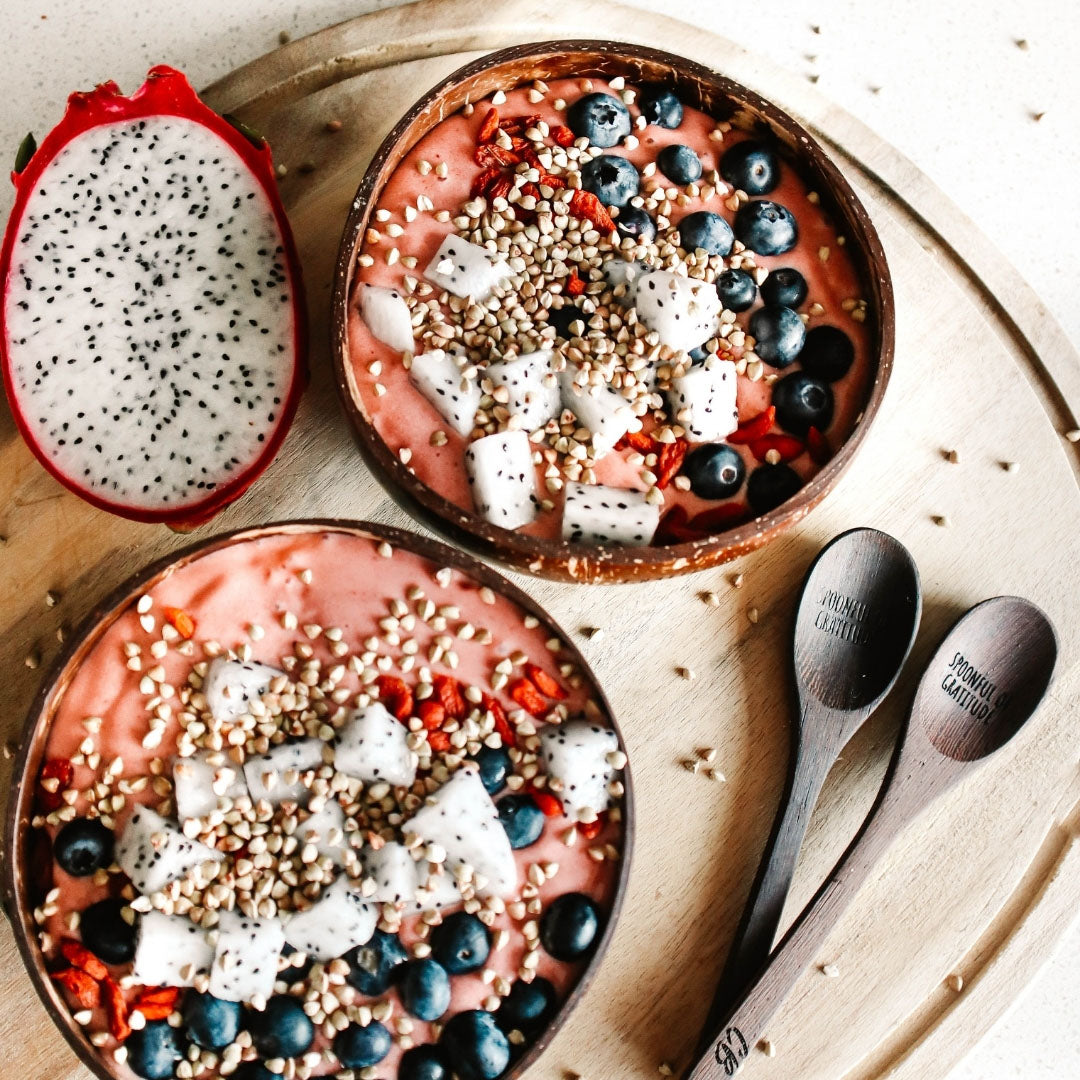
x: 531, y: 386
x: 437, y: 376
x: 152, y: 851
x: 576, y: 756
x: 603, y: 411
x: 704, y: 400
x: 434, y: 893
x: 276, y: 776
x: 598, y: 514
x: 202, y: 781
x: 684, y: 312
x: 502, y: 478
x: 325, y: 828
x: 386, y: 315
x: 373, y: 746
x: 461, y: 818
x: 246, y: 955
x: 337, y: 922
x: 170, y: 950
x: 465, y: 269
x: 393, y: 872
x: 230, y: 686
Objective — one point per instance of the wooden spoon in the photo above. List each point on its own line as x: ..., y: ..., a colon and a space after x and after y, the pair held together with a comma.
x: 857, y: 617
x: 984, y: 681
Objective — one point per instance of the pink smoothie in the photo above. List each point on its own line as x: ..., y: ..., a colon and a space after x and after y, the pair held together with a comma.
x: 238, y: 598
x: 405, y: 419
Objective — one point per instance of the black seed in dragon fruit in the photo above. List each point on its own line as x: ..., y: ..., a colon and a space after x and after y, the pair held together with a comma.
x: 152, y: 851
x: 465, y: 269
x: 598, y: 514
x: 170, y: 950
x: 246, y: 955
x: 502, y: 478
x: 703, y: 400
x: 577, y: 757
x: 374, y: 746
x: 456, y: 398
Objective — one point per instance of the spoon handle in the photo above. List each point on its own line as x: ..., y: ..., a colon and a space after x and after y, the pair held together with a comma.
x: 731, y: 1041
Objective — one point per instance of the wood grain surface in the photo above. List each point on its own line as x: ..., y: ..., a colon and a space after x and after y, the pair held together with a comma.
x: 985, y: 883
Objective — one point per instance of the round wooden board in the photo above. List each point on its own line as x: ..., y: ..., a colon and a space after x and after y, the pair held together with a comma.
x: 984, y: 883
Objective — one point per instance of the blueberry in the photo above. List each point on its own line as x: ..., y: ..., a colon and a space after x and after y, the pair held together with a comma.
x: 460, y: 943
x: 424, y: 1062
x: 802, y: 402
x: 780, y: 334
x: 83, y: 846
x: 358, y: 1047
x: 679, y: 164
x: 528, y: 1006
x: 634, y: 222
x: 424, y: 988
x: 569, y: 926
x: 211, y: 1023
x: 602, y: 119
x: 155, y: 1050
x: 715, y: 471
x: 495, y: 765
x: 561, y: 318
x: 254, y: 1070
x: 785, y: 287
x: 706, y: 230
x: 474, y: 1046
x: 771, y: 485
x: 106, y: 934
x: 751, y: 166
x: 612, y: 179
x: 660, y: 106
x: 293, y: 973
x: 371, y: 966
x: 282, y: 1029
x: 828, y: 353
x: 766, y: 227
x: 736, y: 289
x: 522, y: 819
x: 699, y: 354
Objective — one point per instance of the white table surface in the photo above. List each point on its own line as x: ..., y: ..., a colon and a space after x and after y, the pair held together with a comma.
x: 945, y: 81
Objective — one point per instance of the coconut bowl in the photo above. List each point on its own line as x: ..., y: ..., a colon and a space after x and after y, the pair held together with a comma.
x: 720, y: 98
x: 28, y: 864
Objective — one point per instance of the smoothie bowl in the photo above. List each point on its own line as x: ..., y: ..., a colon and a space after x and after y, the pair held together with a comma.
x: 605, y: 315
x: 317, y: 799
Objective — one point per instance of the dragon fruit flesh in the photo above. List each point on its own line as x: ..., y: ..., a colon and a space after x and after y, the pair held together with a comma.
x: 703, y: 400
x: 153, y: 319
x: 683, y: 311
x: 502, y: 478
x: 326, y: 830
x: 387, y: 316
x: 202, y: 781
x: 465, y: 269
x: 337, y: 922
x: 439, y: 379
x: 461, y: 818
x: 246, y: 955
x: 531, y: 386
x: 603, y: 411
x: 275, y: 775
x: 374, y: 746
x: 393, y: 871
x: 170, y: 950
x: 230, y: 686
x: 435, y: 892
x: 597, y: 514
x: 152, y: 851
x: 576, y: 756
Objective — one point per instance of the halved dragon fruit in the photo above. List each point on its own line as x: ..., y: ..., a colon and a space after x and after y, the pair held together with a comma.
x: 202, y: 781
x: 374, y: 746
x: 683, y: 311
x: 439, y: 379
x: 531, y: 386
x: 153, y: 321
x: 337, y: 922
x: 230, y: 686
x: 603, y: 411
x: 152, y: 851
x: 275, y: 775
x: 246, y: 955
x: 704, y: 400
x: 461, y: 818
x: 170, y: 950
x: 465, y: 269
x: 576, y: 756
x: 387, y: 316
x: 598, y: 514
x: 394, y: 872
x: 502, y: 478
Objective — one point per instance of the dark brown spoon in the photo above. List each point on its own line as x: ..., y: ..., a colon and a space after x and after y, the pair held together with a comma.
x: 856, y: 621
x: 982, y: 684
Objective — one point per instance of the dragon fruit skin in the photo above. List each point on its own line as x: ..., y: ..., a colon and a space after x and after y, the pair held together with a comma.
x: 597, y: 514
x: 246, y: 955
x: 502, y: 478
x: 337, y: 922
x: 226, y: 449
x: 231, y: 685
x: 394, y: 872
x: 440, y: 380
x: 194, y: 779
x: 152, y: 851
x: 374, y: 746
x: 170, y: 950
x: 575, y: 755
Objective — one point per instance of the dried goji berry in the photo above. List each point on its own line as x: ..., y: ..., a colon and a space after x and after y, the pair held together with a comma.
x: 818, y: 446
x: 562, y: 135
x: 556, y: 182
x: 590, y: 830
x: 755, y: 427
x: 674, y: 527
x: 547, y: 802
x: 80, y: 985
x: 79, y: 956
x: 488, y: 127
x: 574, y: 285
x: 63, y: 772
x: 115, y: 1009
x: 439, y: 741
x: 395, y: 695
x: 717, y: 519
x: 528, y: 697
x: 586, y: 205
x: 483, y: 181
x: 181, y: 621
x: 157, y: 1004
x: 669, y: 461
x: 787, y: 446
x: 519, y: 145
x: 502, y: 722
x: 529, y: 188
x: 515, y: 125
x: 448, y: 691
x: 500, y: 188
x: 636, y: 440
x: 431, y: 714
x: 545, y: 683
x: 495, y: 155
